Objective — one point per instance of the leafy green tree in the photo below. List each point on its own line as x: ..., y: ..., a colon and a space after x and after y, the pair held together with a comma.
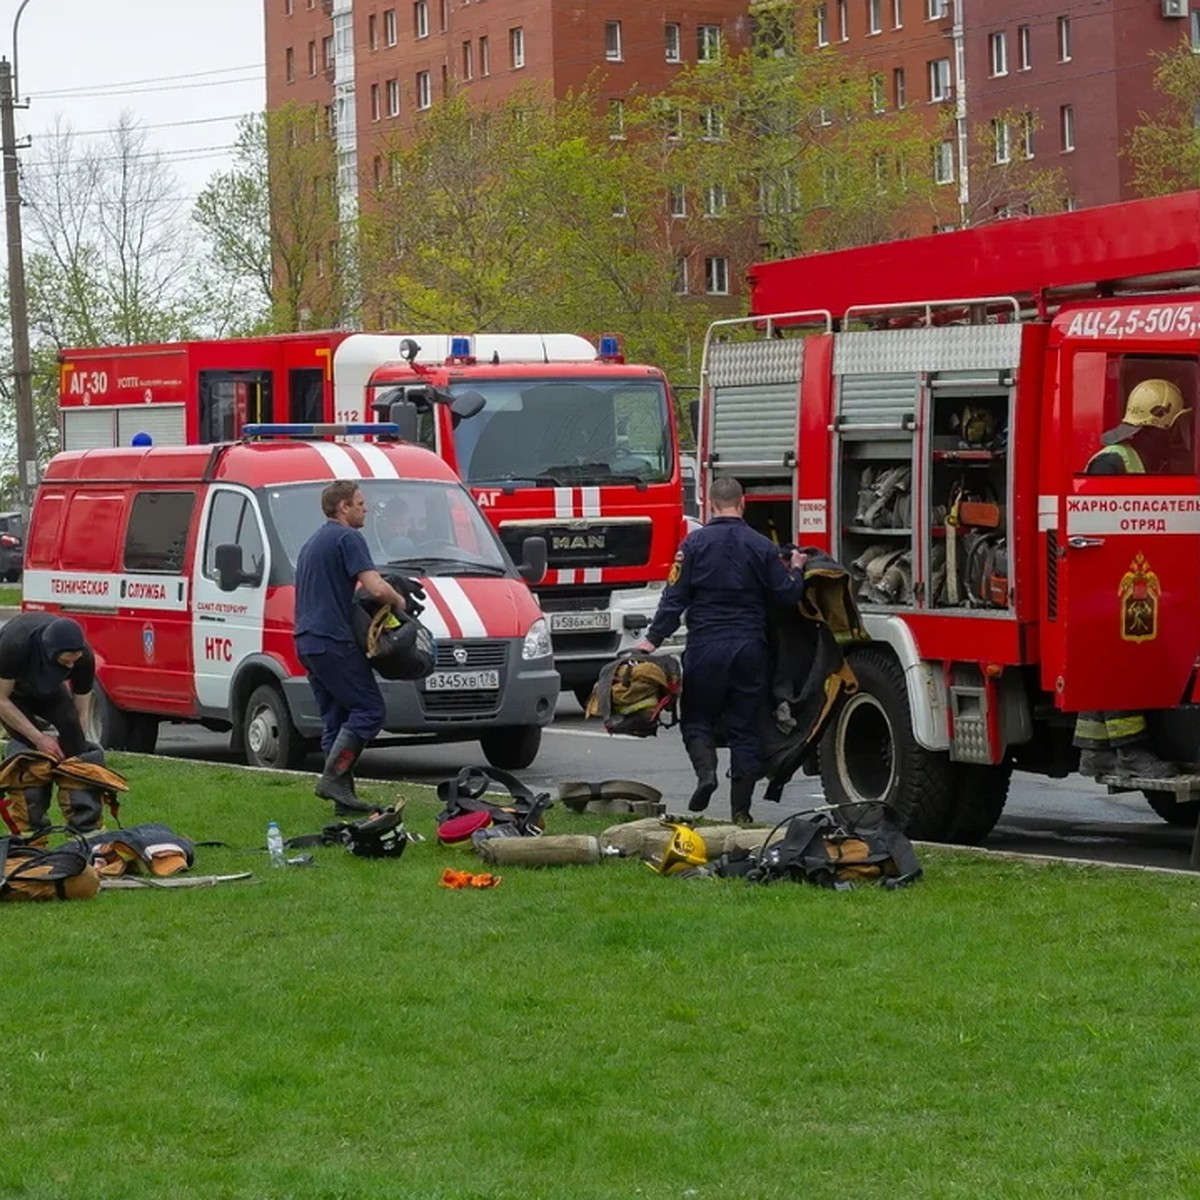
x: 271, y: 223
x: 1164, y: 147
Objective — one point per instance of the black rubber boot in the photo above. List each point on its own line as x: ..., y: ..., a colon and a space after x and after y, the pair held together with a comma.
x: 741, y: 792
x: 1097, y: 762
x: 1138, y: 761
x: 704, y: 762
x: 337, y: 780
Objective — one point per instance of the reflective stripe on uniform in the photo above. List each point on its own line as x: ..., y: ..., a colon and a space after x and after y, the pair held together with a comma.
x: 1127, y: 454
x: 1121, y: 728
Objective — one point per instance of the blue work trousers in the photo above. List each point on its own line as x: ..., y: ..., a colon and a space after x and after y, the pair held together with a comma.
x: 346, y: 689
x: 725, y: 682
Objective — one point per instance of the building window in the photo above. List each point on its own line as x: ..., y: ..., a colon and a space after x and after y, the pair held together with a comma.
x: 389, y: 27
x: 899, y: 94
x: 424, y: 90
x: 312, y: 58
x: 677, y: 200
x: 289, y: 65
x: 327, y: 53
x: 393, y: 97
x: 874, y: 16
x: 878, y: 104
x: 822, y: 25
x: 1195, y: 31
x: 468, y: 61
x: 1066, y: 127
x: 673, y: 120
x: 376, y: 103
x: 516, y: 47
x: 843, y: 21
x: 1064, y: 39
x: 943, y: 163
x: 485, y: 57
x: 287, y: 8
x: 939, y: 79
x: 897, y: 14
x: 1002, y: 143
x: 377, y: 172
x: 616, y: 118
x: 716, y: 276
x: 712, y: 123
x: 998, y: 52
x: 674, y: 42
x: 612, y: 41
x: 1024, y: 53
x: 1027, y: 128
x: 708, y: 43
x: 421, y: 19
x: 715, y: 200
x: 935, y: 10
x: 372, y: 32
x: 443, y: 16
x: 680, y: 281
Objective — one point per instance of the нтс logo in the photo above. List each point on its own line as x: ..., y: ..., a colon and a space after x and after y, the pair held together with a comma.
x: 577, y: 541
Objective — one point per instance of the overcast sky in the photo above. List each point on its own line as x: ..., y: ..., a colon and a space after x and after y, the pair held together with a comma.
x: 166, y: 61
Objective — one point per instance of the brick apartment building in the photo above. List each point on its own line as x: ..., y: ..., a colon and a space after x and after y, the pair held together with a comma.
x: 1071, y: 76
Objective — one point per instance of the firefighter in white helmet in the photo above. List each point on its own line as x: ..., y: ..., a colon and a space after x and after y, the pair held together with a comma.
x: 1146, y: 442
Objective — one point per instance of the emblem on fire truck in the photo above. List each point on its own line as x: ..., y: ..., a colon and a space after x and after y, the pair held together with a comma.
x: 1139, y: 592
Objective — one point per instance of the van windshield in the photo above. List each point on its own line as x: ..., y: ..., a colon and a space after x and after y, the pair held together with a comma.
x: 426, y: 528
x: 566, y: 432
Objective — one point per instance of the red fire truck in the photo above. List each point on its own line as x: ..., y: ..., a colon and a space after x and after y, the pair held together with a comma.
x: 571, y: 443
x: 924, y: 411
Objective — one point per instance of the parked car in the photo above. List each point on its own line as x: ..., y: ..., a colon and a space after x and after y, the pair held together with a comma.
x: 12, y: 546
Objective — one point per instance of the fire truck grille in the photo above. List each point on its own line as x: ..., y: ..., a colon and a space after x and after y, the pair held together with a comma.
x: 585, y: 643
x: 574, y: 599
x: 478, y: 655
x: 593, y: 545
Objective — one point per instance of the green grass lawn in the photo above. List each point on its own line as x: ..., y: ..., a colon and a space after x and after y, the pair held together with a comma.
x: 10, y: 595
x: 353, y: 1030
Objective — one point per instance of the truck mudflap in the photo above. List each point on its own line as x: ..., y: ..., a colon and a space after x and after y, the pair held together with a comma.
x: 458, y: 704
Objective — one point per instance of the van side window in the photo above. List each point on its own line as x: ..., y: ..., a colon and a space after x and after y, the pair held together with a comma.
x: 232, y: 521
x: 158, y: 531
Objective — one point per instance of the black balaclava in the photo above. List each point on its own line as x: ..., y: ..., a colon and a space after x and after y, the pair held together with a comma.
x: 60, y: 635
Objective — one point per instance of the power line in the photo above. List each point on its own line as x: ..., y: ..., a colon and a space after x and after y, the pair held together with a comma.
x: 121, y: 83
x: 138, y: 126
x: 147, y: 91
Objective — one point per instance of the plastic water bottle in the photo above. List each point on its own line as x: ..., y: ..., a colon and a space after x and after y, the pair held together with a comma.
x: 275, y: 845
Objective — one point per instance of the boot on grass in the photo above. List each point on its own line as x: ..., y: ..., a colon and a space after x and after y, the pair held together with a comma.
x: 337, y: 780
x: 741, y: 791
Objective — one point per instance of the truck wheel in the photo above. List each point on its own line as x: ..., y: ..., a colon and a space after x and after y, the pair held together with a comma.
x: 512, y: 749
x: 1173, y: 810
x: 108, y: 726
x: 980, y: 793
x: 869, y: 752
x: 270, y: 738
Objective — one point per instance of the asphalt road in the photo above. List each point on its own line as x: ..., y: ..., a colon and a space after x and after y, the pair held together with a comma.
x: 1072, y: 817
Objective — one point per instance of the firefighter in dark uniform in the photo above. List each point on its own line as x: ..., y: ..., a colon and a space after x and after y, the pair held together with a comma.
x: 724, y: 576
x: 330, y: 565
x: 1146, y: 442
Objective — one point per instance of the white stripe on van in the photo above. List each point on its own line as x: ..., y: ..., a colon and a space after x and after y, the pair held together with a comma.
x: 377, y: 461
x: 431, y: 616
x: 340, y: 464
x: 463, y: 611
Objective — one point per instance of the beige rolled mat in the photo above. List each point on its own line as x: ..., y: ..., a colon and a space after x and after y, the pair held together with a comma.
x: 552, y: 850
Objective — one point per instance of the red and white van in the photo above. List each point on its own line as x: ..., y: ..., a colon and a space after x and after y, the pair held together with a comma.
x: 138, y: 545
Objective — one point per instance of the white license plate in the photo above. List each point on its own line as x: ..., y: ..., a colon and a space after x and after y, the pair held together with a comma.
x: 462, y: 681
x: 580, y: 621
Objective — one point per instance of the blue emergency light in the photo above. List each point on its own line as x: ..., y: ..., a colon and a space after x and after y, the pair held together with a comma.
x: 367, y: 429
x: 460, y: 347
x: 610, y: 348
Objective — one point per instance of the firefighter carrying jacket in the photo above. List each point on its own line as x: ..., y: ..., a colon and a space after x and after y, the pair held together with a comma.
x: 1144, y: 443
x: 725, y: 575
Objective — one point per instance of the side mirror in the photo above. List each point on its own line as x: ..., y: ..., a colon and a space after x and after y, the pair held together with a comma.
x: 228, y: 560
x: 466, y: 406
x: 404, y: 414
x: 533, y: 560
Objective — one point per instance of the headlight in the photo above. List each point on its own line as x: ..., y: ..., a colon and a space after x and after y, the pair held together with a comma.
x: 537, y: 640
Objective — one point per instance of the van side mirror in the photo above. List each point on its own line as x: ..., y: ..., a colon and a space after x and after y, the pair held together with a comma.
x: 533, y: 560
x: 404, y: 414
x: 228, y: 560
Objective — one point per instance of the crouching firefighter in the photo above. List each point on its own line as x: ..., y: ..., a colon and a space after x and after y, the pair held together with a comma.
x: 47, y: 672
x: 724, y: 577
x: 328, y: 568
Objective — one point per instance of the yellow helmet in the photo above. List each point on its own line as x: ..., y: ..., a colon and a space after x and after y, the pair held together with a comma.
x: 1153, y: 403
x: 685, y: 850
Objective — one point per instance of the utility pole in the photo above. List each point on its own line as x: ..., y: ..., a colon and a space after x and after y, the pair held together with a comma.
x: 17, y: 306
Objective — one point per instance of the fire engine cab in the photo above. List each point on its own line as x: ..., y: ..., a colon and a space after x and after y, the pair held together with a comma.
x: 179, y: 564
x: 925, y: 411
x: 570, y: 444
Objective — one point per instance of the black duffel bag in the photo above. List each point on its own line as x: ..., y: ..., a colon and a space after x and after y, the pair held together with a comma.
x: 396, y: 643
